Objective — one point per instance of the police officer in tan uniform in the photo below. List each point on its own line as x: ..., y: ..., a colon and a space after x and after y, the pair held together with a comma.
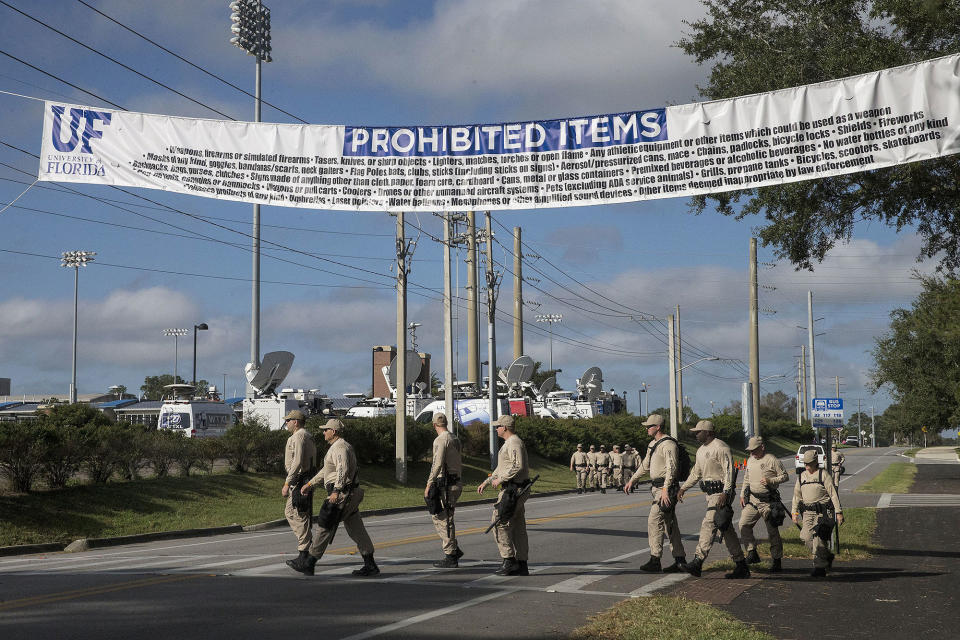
x: 592, y: 476
x: 603, y: 468
x: 340, y: 477
x: 300, y: 457
x: 445, y: 475
x: 814, y: 497
x: 579, y: 465
x: 714, y: 470
x: 662, y: 463
x: 836, y: 461
x: 616, y: 468
x: 513, y: 469
x: 629, y: 462
x: 761, y: 479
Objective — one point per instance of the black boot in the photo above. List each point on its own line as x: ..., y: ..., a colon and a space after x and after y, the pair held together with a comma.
x: 304, y: 563
x: 652, y: 565
x: 819, y: 572
x: 448, y: 562
x: 694, y: 567
x: 677, y: 565
x: 509, y: 567
x: 458, y: 553
x: 753, y: 557
x: 775, y: 566
x: 369, y: 567
x: 830, y: 560
x: 742, y: 570
x: 522, y: 569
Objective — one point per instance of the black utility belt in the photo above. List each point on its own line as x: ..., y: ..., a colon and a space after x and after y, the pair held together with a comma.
x: 822, y: 508
x: 616, y: 466
x: 711, y: 487
x: 580, y: 466
x: 349, y: 487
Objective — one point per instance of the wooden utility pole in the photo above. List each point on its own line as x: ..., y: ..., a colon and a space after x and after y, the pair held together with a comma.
x: 473, y: 339
x: 401, y: 368
x: 517, y: 294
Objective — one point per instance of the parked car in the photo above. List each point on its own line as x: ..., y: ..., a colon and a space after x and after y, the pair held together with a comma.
x: 852, y: 441
x: 821, y: 456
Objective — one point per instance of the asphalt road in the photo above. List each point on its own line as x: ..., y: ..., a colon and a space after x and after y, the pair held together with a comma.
x: 585, y: 551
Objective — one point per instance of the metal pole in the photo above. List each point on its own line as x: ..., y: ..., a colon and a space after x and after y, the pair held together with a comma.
x: 679, y: 368
x: 858, y: 420
x: 754, y: 338
x: 176, y: 359
x: 518, y: 295
x: 73, y: 376
x: 803, y: 381
x: 193, y: 380
x: 255, y: 279
x: 473, y: 340
x: 873, y: 430
x: 447, y: 324
x: 813, y: 359
x: 400, y: 454
x: 671, y: 358
x: 491, y: 343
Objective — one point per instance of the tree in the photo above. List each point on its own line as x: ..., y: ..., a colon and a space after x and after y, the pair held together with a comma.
x: 762, y: 45
x: 540, y: 375
x: 152, y: 386
x: 777, y: 406
x: 919, y: 358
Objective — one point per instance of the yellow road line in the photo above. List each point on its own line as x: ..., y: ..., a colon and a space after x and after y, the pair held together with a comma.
x: 91, y: 591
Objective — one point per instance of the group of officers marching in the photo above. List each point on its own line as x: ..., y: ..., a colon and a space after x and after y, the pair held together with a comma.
x: 815, y: 499
x: 599, y: 470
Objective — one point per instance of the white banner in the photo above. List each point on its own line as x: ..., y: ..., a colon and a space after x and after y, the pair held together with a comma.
x: 880, y: 119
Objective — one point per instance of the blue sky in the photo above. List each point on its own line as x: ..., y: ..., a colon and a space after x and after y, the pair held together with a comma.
x: 394, y: 63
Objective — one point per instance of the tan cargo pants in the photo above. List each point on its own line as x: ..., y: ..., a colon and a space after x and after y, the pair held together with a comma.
x: 583, y: 476
x: 821, y: 553
x: 351, y: 522
x: 662, y: 524
x: 708, y: 529
x: 512, y: 535
x: 450, y: 544
x: 753, y: 513
x: 299, y: 523
x: 604, y: 477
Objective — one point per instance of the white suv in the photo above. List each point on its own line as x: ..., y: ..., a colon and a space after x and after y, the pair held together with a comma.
x: 821, y: 457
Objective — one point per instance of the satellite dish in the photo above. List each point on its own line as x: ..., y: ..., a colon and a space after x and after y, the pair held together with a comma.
x: 179, y: 390
x: 548, y: 385
x: 271, y: 372
x: 520, y: 371
x: 414, y: 366
x: 591, y: 383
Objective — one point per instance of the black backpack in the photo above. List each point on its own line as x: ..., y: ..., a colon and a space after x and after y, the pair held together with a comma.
x: 683, y: 457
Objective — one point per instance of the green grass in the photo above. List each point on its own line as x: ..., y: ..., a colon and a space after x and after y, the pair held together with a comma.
x: 167, y: 504
x: 665, y: 618
x: 856, y: 541
x: 896, y: 478
x: 911, y: 452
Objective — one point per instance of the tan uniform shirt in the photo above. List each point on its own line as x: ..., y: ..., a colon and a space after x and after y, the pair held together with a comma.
x: 512, y: 463
x: 766, y: 467
x: 300, y: 454
x: 616, y: 459
x: 603, y: 460
x: 714, y: 463
x: 815, y: 488
x: 446, y: 457
x: 591, y: 458
x: 662, y: 463
x: 578, y: 459
x: 629, y: 459
x: 339, y: 466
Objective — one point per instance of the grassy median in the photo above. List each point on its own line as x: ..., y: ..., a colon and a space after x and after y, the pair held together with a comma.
x: 665, y: 618
x: 173, y: 503
x: 896, y: 478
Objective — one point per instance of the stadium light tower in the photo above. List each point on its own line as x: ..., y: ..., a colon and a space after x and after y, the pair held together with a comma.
x: 176, y: 333
x: 251, y: 32
x: 74, y: 260
x: 550, y: 318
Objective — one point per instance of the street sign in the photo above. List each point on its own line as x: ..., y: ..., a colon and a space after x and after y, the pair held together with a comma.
x: 827, y: 413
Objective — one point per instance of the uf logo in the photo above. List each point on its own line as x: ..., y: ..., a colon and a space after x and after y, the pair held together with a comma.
x: 89, y: 116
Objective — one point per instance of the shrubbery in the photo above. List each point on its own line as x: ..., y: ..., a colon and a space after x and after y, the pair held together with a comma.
x: 373, y: 439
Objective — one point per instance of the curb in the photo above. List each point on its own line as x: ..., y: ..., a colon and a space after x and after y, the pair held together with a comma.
x: 84, y: 544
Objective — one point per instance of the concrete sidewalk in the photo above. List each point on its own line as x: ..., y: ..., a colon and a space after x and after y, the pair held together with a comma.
x: 908, y: 590
x: 937, y: 454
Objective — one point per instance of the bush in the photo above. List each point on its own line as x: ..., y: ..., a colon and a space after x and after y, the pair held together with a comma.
x: 267, y: 456
x: 61, y: 453
x: 209, y: 451
x: 189, y: 454
x: 241, y: 442
x: 374, y: 439
x: 105, y: 448
x: 20, y: 448
x: 161, y: 450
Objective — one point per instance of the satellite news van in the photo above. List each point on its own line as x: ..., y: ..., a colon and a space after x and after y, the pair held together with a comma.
x: 193, y: 417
